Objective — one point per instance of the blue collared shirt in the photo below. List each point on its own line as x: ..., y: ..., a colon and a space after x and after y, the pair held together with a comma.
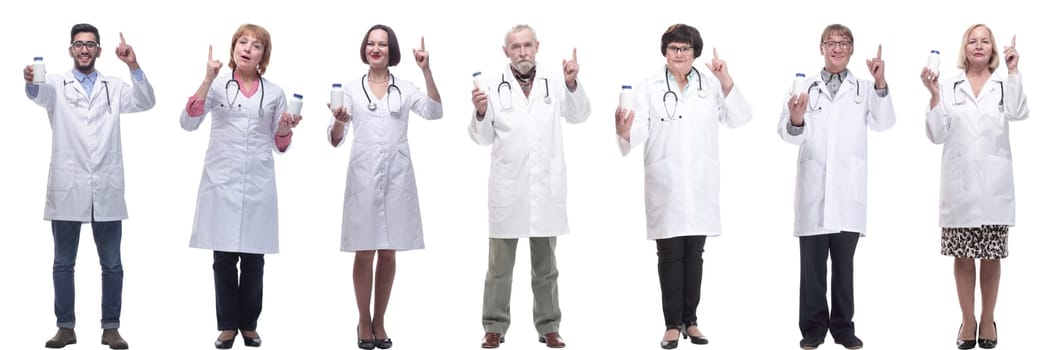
x: 86, y: 80
x: 692, y: 78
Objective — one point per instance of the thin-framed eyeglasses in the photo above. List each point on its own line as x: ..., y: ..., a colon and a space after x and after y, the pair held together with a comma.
x: 679, y: 49
x: 91, y: 45
x: 844, y: 45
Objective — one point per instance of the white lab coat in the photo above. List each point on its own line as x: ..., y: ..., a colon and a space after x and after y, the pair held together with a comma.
x: 528, y: 176
x: 86, y: 177
x: 681, y: 156
x: 381, y: 208
x: 237, y: 201
x: 831, y: 194
x: 976, y: 175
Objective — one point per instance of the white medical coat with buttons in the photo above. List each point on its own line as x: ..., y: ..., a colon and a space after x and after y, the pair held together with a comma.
x: 381, y: 207
x: 831, y: 194
x: 681, y: 164
x: 976, y: 173
x: 528, y: 176
x: 86, y: 176
x: 681, y: 157
x: 237, y: 201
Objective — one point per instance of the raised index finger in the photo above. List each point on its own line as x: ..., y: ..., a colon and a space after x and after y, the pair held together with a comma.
x: 715, y: 53
x: 574, y: 55
x: 1014, y: 41
x: 122, y: 36
x: 422, y: 43
x: 210, y: 53
x: 879, y: 51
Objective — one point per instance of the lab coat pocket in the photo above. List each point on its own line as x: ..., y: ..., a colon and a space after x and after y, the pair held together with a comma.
x: 658, y: 187
x: 952, y: 182
x: 710, y: 183
x: 217, y: 170
x: 810, y: 175
x: 115, y: 178
x: 502, y: 189
x: 558, y: 182
x: 73, y: 97
x: 359, y: 172
x: 999, y: 177
x: 857, y: 172
x: 402, y: 176
x: 59, y: 180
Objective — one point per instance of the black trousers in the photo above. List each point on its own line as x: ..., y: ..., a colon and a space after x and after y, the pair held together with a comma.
x: 680, y: 275
x: 238, y: 300
x: 815, y: 318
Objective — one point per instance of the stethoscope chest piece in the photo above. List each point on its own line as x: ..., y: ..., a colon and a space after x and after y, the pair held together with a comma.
x: 392, y: 88
x: 702, y: 93
x: 858, y: 99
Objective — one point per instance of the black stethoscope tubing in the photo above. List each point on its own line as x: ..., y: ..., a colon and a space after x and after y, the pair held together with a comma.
x: 231, y: 101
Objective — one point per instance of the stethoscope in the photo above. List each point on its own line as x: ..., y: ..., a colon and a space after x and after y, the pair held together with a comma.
x: 105, y: 85
x: 815, y: 106
x: 237, y: 91
x: 372, y: 106
x: 676, y: 99
x: 507, y: 85
x: 1001, y: 100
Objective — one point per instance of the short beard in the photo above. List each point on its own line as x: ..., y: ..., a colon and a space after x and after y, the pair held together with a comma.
x: 524, y: 67
x: 86, y: 69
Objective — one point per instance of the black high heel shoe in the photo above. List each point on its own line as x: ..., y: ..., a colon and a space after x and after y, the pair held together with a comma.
x: 988, y: 343
x: 365, y: 344
x: 381, y: 343
x: 700, y: 340
x: 252, y: 341
x: 965, y: 344
x: 226, y: 344
x: 671, y: 344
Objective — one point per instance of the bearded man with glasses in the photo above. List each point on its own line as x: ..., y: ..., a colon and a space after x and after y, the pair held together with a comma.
x: 86, y: 179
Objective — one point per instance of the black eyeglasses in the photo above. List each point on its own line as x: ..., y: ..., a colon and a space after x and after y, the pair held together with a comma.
x: 91, y: 45
x: 678, y: 49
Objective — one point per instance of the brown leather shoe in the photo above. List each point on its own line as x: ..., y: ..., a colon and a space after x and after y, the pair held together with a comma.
x: 492, y: 340
x: 64, y: 336
x: 112, y: 338
x: 552, y: 340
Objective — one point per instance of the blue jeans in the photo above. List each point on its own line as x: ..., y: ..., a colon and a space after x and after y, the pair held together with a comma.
x: 108, y: 243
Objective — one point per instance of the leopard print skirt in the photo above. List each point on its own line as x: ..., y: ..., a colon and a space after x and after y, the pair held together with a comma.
x: 985, y: 242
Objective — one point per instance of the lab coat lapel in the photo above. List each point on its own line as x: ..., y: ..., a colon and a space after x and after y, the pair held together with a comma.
x: 990, y: 88
x: 517, y: 91
x: 71, y: 80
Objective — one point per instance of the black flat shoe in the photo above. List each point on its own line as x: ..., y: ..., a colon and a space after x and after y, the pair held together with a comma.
x: 965, y: 344
x: 988, y: 343
x: 671, y: 344
x: 700, y: 340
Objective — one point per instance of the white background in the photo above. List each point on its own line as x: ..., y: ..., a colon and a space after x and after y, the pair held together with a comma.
x: 609, y: 288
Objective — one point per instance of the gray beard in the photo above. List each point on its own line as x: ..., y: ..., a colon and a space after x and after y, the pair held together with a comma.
x: 524, y: 67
